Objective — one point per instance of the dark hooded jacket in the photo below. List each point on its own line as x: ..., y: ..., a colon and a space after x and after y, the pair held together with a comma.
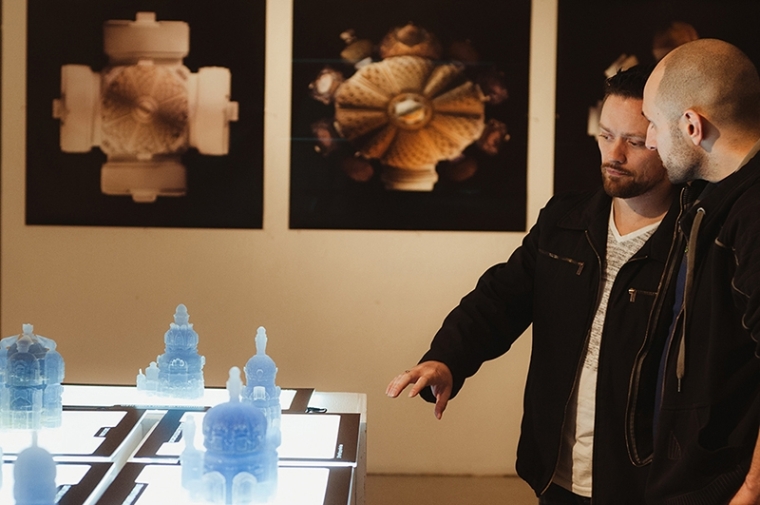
x: 708, y: 425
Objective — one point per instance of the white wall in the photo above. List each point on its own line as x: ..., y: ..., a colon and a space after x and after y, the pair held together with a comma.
x: 345, y: 310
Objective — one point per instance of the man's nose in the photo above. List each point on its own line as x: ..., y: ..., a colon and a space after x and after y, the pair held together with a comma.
x: 650, y: 141
x: 617, y: 151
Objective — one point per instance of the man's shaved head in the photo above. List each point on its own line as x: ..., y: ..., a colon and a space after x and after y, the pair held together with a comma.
x: 714, y: 78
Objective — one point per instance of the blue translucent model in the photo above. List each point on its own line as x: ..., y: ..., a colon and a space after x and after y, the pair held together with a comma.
x: 239, y: 465
x: 34, y: 476
x: 31, y: 372
x: 179, y: 372
x: 191, y: 460
x: 261, y: 390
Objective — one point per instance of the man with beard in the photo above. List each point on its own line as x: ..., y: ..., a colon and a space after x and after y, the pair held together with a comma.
x: 703, y: 104
x: 588, y: 277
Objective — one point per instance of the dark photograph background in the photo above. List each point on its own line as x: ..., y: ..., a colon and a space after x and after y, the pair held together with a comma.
x: 493, y: 199
x: 222, y: 191
x: 593, y: 34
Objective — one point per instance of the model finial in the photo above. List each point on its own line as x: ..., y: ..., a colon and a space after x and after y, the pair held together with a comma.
x: 234, y: 384
x: 261, y: 340
x: 181, y: 316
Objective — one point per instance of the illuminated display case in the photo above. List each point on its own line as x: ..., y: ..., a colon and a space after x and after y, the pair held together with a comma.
x: 116, y: 445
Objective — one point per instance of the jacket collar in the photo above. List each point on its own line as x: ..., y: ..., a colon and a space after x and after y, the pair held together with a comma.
x: 593, y: 217
x: 721, y: 198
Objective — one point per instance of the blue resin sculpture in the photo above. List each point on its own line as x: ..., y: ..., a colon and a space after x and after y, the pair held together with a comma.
x: 239, y: 465
x: 179, y: 371
x: 34, y: 476
x: 31, y: 372
x: 191, y: 460
x: 261, y: 390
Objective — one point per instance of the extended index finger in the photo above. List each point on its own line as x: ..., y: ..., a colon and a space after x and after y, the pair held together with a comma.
x: 398, y: 384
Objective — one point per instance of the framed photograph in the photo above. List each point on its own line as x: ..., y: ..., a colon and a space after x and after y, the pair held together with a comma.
x: 409, y: 115
x: 597, y: 38
x: 145, y: 113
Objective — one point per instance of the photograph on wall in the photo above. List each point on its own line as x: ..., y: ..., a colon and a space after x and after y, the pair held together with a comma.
x: 409, y: 115
x: 145, y: 113
x: 597, y: 38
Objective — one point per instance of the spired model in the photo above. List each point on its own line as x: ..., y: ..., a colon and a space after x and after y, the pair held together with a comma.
x: 179, y: 371
x: 239, y: 465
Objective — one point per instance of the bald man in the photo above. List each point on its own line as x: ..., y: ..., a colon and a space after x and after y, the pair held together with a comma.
x: 703, y: 106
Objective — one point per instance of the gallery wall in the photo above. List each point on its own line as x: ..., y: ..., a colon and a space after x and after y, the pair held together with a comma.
x: 345, y: 310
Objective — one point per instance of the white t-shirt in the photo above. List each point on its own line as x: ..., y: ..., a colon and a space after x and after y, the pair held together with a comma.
x: 574, y: 467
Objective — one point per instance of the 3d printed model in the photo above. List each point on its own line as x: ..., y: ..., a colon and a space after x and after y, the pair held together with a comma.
x: 31, y: 372
x: 191, y: 461
x: 145, y: 108
x: 179, y: 371
x: 261, y: 390
x: 34, y: 476
x: 240, y: 464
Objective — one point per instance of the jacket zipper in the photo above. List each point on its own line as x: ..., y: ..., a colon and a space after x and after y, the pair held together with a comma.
x: 632, y: 293
x: 633, y: 384
x: 674, y: 340
x: 581, y: 358
x: 573, y: 262
x: 691, y: 257
x: 599, y: 293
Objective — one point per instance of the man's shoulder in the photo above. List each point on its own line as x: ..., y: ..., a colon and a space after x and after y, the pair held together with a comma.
x: 575, y: 209
x: 737, y: 196
x: 568, y: 201
x: 746, y: 207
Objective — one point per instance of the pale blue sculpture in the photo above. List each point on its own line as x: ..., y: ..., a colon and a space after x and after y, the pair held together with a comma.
x: 191, y: 460
x: 178, y: 372
x: 239, y: 465
x: 31, y: 372
x: 34, y: 476
x: 261, y: 390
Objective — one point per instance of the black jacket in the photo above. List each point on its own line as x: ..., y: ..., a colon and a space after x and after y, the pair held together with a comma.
x: 708, y: 430
x: 554, y: 282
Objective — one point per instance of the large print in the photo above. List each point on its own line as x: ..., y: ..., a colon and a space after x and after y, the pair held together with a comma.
x: 409, y: 115
x: 145, y: 113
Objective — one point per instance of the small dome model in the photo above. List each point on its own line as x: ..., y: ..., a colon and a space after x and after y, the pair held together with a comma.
x: 239, y: 465
x: 34, y: 476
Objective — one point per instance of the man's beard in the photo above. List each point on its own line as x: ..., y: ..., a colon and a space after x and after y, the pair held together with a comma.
x: 682, y: 163
x: 626, y: 186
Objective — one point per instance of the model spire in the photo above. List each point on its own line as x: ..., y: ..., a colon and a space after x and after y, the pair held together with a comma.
x: 261, y: 340
x: 234, y: 384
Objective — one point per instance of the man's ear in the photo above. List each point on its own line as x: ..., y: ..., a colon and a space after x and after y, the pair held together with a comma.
x: 693, y: 126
